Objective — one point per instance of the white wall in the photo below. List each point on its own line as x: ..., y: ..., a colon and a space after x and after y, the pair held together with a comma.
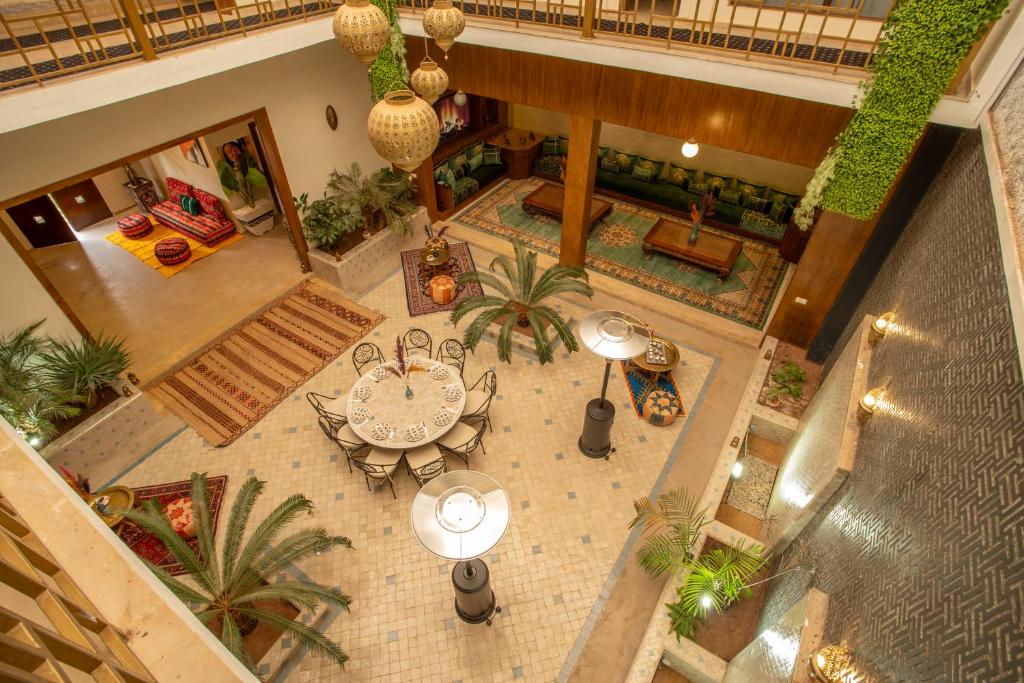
x: 25, y: 301
x: 112, y: 189
x: 782, y: 176
x: 295, y: 88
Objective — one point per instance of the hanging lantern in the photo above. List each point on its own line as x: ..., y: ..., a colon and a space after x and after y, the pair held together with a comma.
x: 403, y: 129
x: 429, y: 81
x: 444, y: 23
x: 460, y: 98
x: 362, y: 29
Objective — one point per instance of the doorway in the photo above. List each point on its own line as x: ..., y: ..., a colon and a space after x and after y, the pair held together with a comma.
x: 41, y: 222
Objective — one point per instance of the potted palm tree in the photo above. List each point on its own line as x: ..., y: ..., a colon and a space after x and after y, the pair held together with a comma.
x: 519, y: 302
x: 225, y: 589
x: 383, y: 197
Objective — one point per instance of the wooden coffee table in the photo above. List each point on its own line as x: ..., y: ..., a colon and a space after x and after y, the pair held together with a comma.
x: 549, y: 199
x: 711, y: 250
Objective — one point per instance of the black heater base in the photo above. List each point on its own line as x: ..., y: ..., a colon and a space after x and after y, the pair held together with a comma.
x: 474, y: 600
x: 596, y: 439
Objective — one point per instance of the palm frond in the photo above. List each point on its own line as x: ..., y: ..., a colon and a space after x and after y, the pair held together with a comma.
x: 474, y: 302
x: 505, y: 337
x: 526, y: 266
x: 238, y: 520
x: 666, y: 553
x: 561, y: 280
x: 232, y: 639
x: 266, y: 531
x: 312, y: 639
x: 475, y: 330
x: 187, y: 594
x: 508, y: 268
x: 295, y: 548
x: 308, y: 595
x: 152, y: 518
x: 561, y: 327
x: 487, y: 279
x: 540, y: 339
x: 204, y: 528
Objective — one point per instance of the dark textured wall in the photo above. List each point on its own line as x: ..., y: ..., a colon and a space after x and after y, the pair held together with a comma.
x: 922, y: 549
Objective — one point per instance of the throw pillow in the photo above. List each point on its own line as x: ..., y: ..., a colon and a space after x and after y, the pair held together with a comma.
x: 602, y: 152
x: 716, y: 182
x: 677, y: 175
x: 210, y: 204
x: 700, y: 188
x: 476, y: 162
x: 643, y: 173
x: 609, y: 164
x: 779, y: 212
x: 441, y: 171
x: 449, y: 177
x: 754, y: 203
x: 549, y: 146
x: 492, y: 156
x: 730, y: 196
x: 461, y: 160
x: 653, y: 165
x: 752, y: 189
x: 780, y: 196
x: 476, y: 150
x: 625, y: 161
x: 176, y: 188
x: 183, y: 201
x: 191, y: 205
x: 563, y: 144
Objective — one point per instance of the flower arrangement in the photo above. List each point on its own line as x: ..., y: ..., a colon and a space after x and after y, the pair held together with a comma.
x: 402, y: 368
x: 698, y: 214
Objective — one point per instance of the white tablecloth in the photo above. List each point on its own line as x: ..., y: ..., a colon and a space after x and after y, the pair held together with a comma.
x: 384, y: 415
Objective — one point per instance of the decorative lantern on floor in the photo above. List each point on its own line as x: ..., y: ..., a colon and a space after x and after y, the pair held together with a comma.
x: 461, y: 515
x: 444, y: 23
x: 403, y: 129
x: 362, y: 29
x: 430, y: 81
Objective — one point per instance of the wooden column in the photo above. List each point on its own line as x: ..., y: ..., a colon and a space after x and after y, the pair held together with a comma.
x: 426, y: 195
x: 584, y: 133
x: 831, y: 253
x: 284, y: 191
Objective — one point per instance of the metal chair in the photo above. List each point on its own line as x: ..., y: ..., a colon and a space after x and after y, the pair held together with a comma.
x: 452, y: 352
x: 416, y: 340
x: 364, y: 354
x: 328, y: 406
x: 342, y: 435
x: 379, y: 465
x: 425, y: 462
x: 463, y: 439
x: 479, y: 397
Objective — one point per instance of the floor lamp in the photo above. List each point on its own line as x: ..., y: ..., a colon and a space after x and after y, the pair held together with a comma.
x: 613, y: 336
x: 460, y: 516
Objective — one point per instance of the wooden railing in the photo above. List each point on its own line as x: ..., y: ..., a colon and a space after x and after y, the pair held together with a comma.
x: 828, y: 35
x: 52, y: 38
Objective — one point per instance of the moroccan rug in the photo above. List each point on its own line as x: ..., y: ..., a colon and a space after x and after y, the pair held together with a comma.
x: 751, y: 492
x: 417, y: 276
x: 614, y: 249
x: 142, y: 249
x: 640, y: 384
x: 149, y: 547
x: 231, y: 385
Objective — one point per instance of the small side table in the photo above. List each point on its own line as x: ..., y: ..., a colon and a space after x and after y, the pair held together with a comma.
x: 119, y: 500
x: 519, y: 151
x: 656, y: 369
x: 143, y: 193
x: 435, y: 258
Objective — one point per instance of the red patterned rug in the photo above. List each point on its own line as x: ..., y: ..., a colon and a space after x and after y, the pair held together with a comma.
x: 417, y: 278
x: 148, y: 546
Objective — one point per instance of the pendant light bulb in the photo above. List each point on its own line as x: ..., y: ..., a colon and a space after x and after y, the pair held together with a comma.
x: 690, y: 148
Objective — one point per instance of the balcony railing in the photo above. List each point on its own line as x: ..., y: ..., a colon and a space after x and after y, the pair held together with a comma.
x: 45, y: 39
x: 834, y: 36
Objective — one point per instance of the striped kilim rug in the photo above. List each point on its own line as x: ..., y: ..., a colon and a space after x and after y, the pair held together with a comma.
x: 231, y: 385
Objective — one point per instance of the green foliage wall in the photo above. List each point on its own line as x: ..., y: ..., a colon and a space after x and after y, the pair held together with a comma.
x: 389, y: 72
x: 923, y: 45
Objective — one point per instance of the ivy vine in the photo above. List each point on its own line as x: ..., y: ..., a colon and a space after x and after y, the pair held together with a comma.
x: 923, y: 44
x: 389, y: 72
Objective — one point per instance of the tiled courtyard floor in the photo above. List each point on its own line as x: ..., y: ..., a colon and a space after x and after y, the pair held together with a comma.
x: 568, y: 523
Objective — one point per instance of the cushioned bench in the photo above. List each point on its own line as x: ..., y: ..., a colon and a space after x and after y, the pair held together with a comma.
x: 208, y: 227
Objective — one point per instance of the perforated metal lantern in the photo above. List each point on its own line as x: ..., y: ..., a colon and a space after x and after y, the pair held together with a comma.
x: 362, y: 29
x: 444, y: 23
x: 429, y: 81
x: 403, y: 129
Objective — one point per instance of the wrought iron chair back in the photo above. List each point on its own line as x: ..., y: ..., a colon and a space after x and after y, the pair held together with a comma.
x: 452, y: 352
x: 375, y: 472
x: 364, y: 354
x: 416, y: 341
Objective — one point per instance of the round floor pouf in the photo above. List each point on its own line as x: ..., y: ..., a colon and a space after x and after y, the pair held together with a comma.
x: 172, y: 251
x: 441, y: 289
x: 134, y: 226
x: 661, y: 408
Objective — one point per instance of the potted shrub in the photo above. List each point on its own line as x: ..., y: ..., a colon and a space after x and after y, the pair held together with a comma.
x: 382, y: 197
x: 787, y: 382
x: 325, y: 222
x: 226, y: 588
x: 87, y: 367
x: 519, y: 302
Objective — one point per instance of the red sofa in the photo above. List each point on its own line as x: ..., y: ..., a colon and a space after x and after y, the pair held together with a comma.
x: 208, y: 227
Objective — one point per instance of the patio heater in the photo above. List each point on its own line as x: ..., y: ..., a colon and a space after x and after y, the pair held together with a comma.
x: 460, y: 516
x: 613, y: 336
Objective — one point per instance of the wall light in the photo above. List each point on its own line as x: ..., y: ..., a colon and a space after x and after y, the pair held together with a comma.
x: 830, y: 663
x: 868, y: 404
x: 880, y: 327
x: 690, y: 148
x: 737, y: 470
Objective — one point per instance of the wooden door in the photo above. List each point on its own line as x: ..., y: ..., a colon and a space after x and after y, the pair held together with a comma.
x: 82, y: 204
x: 41, y: 222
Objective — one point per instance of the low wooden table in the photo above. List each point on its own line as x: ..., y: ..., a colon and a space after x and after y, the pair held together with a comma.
x: 548, y: 200
x: 711, y: 250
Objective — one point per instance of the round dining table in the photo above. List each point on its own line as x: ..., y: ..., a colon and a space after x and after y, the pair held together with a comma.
x: 403, y: 413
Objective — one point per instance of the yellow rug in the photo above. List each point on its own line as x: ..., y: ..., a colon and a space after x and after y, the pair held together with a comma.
x: 142, y: 249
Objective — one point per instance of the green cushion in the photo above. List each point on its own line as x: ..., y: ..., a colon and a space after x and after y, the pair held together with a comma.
x: 664, y: 194
x: 779, y: 211
x: 752, y: 189
x: 441, y: 171
x: 677, y: 175
x: 602, y: 152
x: 563, y: 144
x: 549, y: 145
x: 492, y: 156
x: 460, y: 160
x: 758, y: 223
x: 190, y: 204
x: 644, y: 174
x: 624, y: 160
x: 717, y: 182
x: 699, y: 188
x: 731, y: 196
x: 754, y: 203
x: 475, y: 151
x: 780, y: 196
x: 476, y: 162
x: 650, y: 164
x: 609, y: 164
x: 449, y: 176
